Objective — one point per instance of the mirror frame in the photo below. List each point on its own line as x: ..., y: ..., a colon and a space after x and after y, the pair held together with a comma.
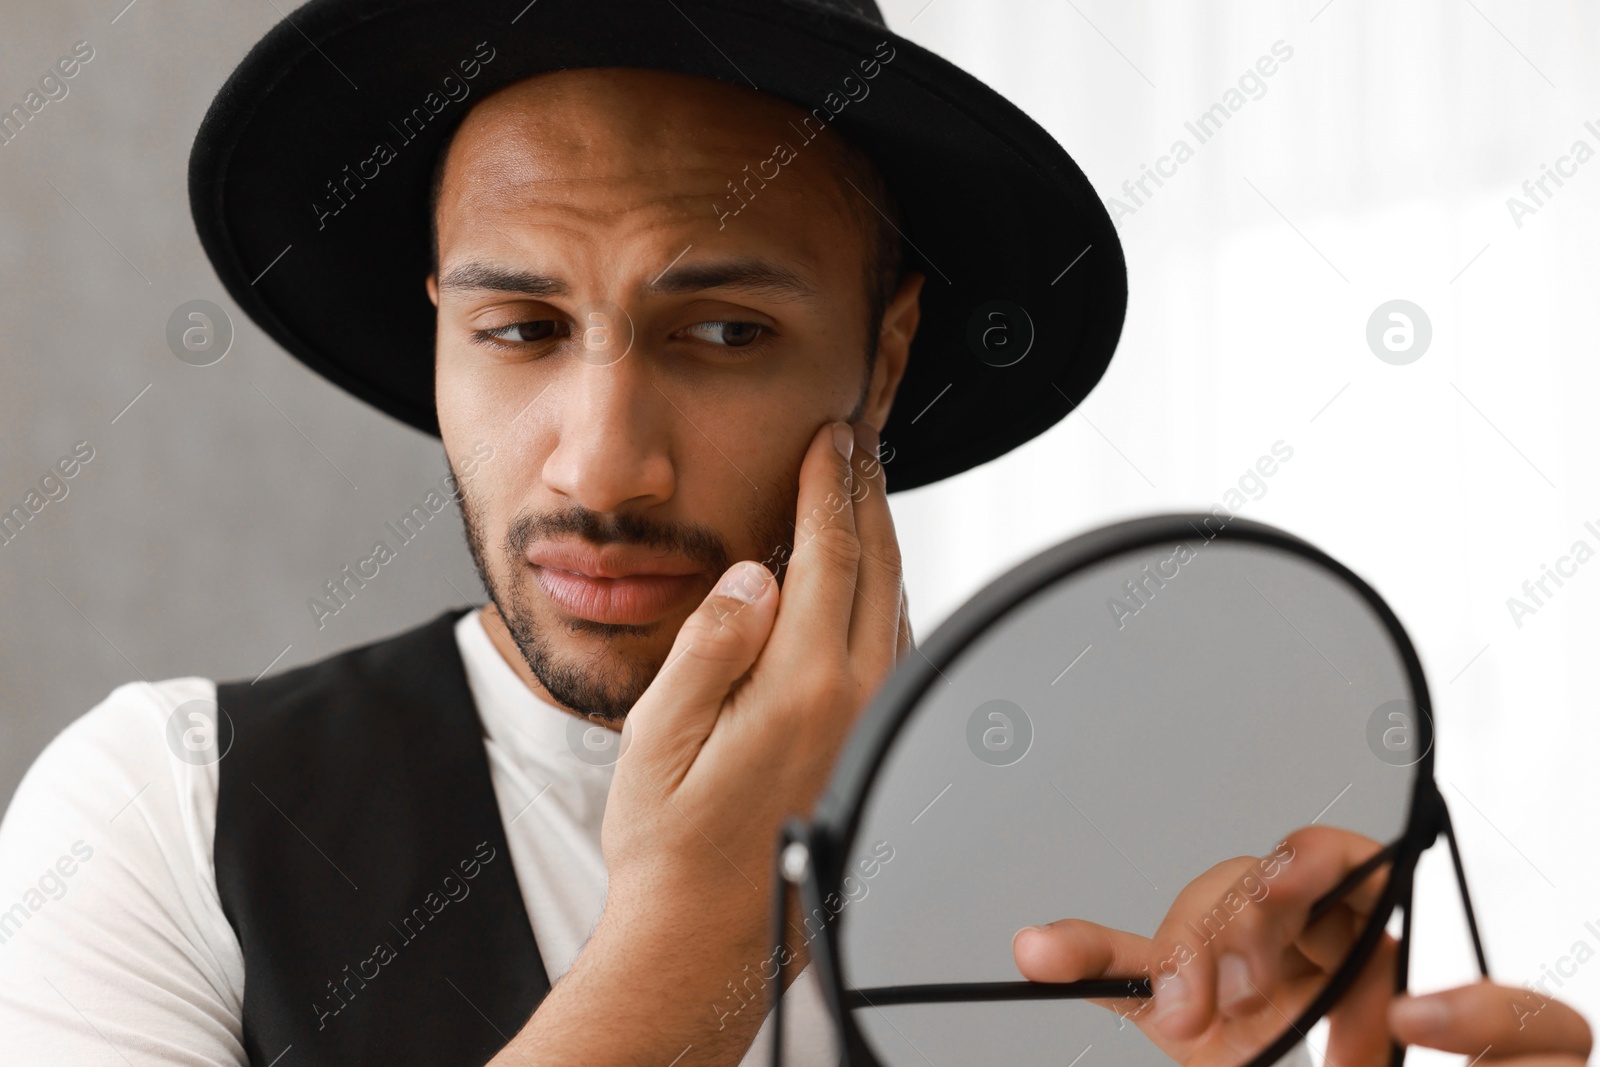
x: 812, y: 855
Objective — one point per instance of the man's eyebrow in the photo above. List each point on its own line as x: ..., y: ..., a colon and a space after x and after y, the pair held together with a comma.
x: 746, y: 274
x: 490, y: 277
x: 749, y: 275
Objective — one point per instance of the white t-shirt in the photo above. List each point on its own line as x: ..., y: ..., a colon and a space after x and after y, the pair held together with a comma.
x: 113, y: 945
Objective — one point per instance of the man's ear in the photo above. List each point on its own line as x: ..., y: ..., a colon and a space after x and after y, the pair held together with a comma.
x: 432, y: 286
x: 900, y: 320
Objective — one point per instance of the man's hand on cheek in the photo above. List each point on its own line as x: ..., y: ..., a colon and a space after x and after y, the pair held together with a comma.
x: 761, y: 687
x: 743, y: 723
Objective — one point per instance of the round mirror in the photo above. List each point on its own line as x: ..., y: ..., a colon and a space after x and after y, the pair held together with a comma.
x: 1087, y: 737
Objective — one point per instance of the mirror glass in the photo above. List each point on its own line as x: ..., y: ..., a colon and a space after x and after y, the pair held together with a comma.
x: 1110, y: 738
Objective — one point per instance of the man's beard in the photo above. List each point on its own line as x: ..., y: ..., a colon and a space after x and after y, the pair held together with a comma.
x: 604, y: 687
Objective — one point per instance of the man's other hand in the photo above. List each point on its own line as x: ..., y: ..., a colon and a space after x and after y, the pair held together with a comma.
x: 1236, y: 959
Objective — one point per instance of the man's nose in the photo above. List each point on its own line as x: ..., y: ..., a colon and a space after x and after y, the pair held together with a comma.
x: 613, y: 451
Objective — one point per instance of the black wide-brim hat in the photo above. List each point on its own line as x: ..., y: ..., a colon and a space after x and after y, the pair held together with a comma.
x: 322, y: 238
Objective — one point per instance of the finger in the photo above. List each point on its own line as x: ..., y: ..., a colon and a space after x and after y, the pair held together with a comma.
x: 1356, y: 1031
x: 1328, y: 941
x: 715, y: 646
x: 1186, y: 946
x: 821, y: 581
x: 1270, y: 934
x: 874, y: 614
x: 1506, y: 1020
x: 1070, y: 950
x: 1262, y: 920
x: 1314, y: 859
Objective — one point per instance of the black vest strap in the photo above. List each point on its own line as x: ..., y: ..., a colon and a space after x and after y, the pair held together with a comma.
x: 362, y: 862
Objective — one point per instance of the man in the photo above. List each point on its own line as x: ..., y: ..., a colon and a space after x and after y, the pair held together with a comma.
x: 665, y: 323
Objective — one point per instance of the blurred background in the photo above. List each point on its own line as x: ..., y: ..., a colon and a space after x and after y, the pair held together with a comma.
x: 1384, y: 159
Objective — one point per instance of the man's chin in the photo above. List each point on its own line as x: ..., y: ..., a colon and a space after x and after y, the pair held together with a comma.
x: 595, y: 670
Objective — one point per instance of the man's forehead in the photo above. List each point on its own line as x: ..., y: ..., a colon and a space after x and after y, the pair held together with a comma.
x: 620, y: 123
x: 628, y: 150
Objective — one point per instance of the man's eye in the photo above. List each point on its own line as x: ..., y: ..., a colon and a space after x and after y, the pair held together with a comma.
x: 519, y: 332
x: 730, y: 333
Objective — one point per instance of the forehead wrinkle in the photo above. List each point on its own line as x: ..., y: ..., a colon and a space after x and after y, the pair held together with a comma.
x: 608, y: 204
x: 515, y: 185
x: 638, y: 190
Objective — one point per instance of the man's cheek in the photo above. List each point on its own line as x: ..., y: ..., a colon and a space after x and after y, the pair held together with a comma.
x: 481, y: 400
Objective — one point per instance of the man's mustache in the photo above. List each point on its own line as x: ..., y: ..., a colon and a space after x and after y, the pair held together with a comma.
x: 698, y: 543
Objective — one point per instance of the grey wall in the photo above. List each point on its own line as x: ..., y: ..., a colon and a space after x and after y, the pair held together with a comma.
x: 217, y: 504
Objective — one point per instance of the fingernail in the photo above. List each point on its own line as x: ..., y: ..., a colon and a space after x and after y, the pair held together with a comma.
x: 1233, y: 979
x: 1428, y: 1014
x: 1018, y: 934
x: 742, y: 583
x: 844, y: 439
x: 1172, y: 996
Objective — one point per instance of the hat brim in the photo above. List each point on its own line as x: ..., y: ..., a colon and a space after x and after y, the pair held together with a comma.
x: 994, y: 209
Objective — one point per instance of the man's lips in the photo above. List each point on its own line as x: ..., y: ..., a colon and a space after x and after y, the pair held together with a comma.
x: 617, y: 584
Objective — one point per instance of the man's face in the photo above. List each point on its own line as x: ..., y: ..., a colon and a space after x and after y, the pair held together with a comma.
x: 661, y: 365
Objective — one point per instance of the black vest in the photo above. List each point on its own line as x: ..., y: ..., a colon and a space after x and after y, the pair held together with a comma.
x: 362, y: 862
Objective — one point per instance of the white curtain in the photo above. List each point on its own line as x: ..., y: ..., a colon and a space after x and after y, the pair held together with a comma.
x: 1374, y: 163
